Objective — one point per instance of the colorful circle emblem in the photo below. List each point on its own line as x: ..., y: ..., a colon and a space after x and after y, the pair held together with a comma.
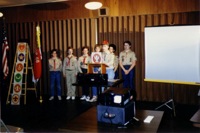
x: 15, y: 99
x: 18, y: 77
x: 21, y: 47
x: 17, y: 88
x: 19, y: 67
x: 21, y: 57
x: 96, y: 58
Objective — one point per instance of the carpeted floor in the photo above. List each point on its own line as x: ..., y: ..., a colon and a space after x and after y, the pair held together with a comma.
x: 51, y: 115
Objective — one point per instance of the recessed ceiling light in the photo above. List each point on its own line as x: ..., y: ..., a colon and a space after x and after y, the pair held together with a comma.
x: 1, y: 14
x: 93, y: 5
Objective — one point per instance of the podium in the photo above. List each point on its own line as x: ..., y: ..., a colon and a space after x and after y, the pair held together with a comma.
x: 100, y: 65
x: 94, y: 79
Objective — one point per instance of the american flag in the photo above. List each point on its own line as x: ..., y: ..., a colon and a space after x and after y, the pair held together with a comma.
x: 5, y: 48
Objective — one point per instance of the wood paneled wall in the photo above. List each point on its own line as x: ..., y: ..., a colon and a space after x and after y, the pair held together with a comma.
x: 59, y: 34
x: 119, y: 29
x: 75, y: 9
x: 82, y: 32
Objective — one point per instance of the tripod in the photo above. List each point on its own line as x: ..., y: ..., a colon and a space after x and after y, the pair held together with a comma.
x: 170, y: 101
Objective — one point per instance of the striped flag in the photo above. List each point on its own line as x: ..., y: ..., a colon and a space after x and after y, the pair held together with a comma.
x: 5, y: 48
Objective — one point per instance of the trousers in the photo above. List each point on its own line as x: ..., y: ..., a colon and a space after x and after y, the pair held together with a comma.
x: 70, y: 79
x: 129, y: 78
x: 55, y: 77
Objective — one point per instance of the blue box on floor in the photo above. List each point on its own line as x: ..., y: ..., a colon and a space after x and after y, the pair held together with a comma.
x: 116, y: 115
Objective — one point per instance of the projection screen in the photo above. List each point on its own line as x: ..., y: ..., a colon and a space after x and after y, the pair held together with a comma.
x: 172, y: 54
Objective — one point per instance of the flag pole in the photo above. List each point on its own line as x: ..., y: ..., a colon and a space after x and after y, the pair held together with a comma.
x: 40, y: 93
x: 37, y: 62
x: 39, y: 46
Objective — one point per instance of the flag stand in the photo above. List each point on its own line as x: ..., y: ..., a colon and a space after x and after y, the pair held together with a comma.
x: 27, y: 66
x: 40, y: 99
x: 40, y: 94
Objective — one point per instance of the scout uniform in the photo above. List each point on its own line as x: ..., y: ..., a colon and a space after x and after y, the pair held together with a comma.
x: 70, y: 72
x: 127, y: 58
x: 83, y: 63
x: 108, y: 59
x: 83, y: 67
x: 55, y: 68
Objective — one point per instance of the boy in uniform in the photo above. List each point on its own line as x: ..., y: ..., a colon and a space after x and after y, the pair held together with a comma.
x: 55, y: 68
x: 83, y: 68
x: 127, y: 62
x: 70, y: 72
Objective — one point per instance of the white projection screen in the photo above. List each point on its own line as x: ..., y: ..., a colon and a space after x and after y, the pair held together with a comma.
x: 172, y: 54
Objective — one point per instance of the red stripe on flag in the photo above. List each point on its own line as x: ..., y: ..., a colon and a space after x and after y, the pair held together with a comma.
x: 4, y: 59
x: 37, y: 64
x: 37, y: 58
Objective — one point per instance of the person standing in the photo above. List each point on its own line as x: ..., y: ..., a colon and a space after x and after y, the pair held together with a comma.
x: 112, y: 49
x: 70, y: 72
x: 108, y: 59
x: 96, y: 70
x: 127, y: 62
x: 55, y: 68
x: 83, y: 68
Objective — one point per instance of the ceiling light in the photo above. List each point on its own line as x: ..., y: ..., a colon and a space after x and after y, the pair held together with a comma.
x: 93, y: 5
x: 1, y: 14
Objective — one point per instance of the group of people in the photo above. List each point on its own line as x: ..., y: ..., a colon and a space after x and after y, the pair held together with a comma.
x: 71, y: 66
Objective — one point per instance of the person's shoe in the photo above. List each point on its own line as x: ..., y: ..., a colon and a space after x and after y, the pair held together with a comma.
x: 94, y: 99
x: 68, y: 97
x: 51, y: 98
x: 73, y: 97
x: 59, y: 98
x: 87, y: 98
x: 83, y: 97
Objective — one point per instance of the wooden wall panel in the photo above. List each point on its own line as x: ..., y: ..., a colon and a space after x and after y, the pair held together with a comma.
x: 132, y: 28
x: 76, y: 9
x: 58, y: 34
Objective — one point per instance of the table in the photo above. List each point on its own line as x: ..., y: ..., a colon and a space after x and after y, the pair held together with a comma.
x: 87, y: 122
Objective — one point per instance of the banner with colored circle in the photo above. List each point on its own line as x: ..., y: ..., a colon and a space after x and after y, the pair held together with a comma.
x: 19, y: 67
x: 21, y: 57
x: 21, y: 47
x: 17, y: 88
x: 18, y: 77
x: 15, y: 99
x: 21, y: 52
x: 19, y: 71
